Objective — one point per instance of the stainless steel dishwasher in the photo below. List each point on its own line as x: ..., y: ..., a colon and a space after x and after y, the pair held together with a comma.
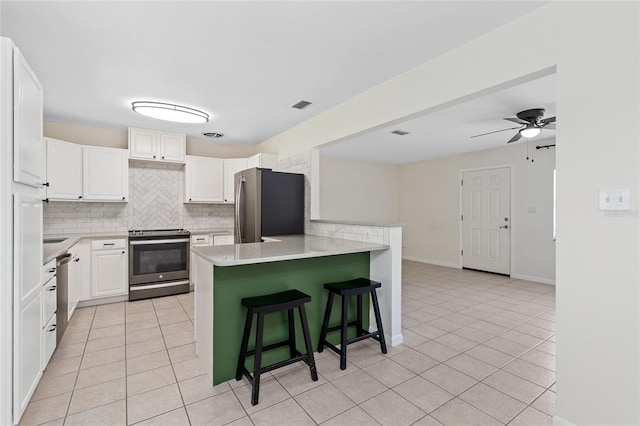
x: 62, y: 266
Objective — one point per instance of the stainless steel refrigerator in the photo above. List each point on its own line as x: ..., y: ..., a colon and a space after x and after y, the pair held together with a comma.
x: 268, y: 203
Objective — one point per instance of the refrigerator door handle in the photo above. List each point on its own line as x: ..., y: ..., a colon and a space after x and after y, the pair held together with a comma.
x: 238, y: 210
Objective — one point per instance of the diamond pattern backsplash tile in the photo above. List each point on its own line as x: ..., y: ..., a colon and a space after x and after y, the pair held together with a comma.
x: 156, y: 196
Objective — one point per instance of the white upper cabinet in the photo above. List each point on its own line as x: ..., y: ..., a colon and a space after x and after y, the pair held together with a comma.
x: 105, y: 174
x: 156, y: 146
x: 231, y: 167
x: 262, y: 160
x: 64, y: 170
x: 80, y: 172
x: 203, y: 180
x: 172, y: 147
x: 28, y: 145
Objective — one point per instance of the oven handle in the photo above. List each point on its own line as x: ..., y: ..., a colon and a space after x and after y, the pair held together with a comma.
x: 152, y: 286
x: 141, y: 242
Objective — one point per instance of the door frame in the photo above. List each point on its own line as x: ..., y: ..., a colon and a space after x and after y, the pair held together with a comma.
x: 511, y: 210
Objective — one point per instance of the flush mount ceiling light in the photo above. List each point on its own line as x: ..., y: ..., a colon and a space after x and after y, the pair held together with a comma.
x: 530, y: 131
x: 170, y: 112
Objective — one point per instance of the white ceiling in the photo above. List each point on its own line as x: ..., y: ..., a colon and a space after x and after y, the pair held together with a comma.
x: 245, y: 63
x: 448, y: 131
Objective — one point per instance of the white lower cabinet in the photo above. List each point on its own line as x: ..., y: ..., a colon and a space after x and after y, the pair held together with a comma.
x: 109, y: 268
x: 48, y: 341
x: 74, y: 280
x: 196, y: 241
x: 48, y: 316
x: 28, y: 346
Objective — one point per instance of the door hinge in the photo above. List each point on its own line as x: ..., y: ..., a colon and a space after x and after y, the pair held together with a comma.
x: 461, y: 252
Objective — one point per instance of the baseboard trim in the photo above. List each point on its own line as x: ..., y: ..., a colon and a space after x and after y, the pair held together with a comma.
x: 432, y: 262
x: 559, y: 421
x: 534, y: 279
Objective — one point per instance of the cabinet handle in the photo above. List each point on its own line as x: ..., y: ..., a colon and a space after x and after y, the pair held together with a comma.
x: 109, y: 244
x: 52, y: 270
x: 53, y: 327
x: 77, y: 259
x: 123, y: 198
x: 46, y: 200
x: 52, y: 288
x: 199, y: 239
x: 163, y: 157
x: 79, y: 196
x: 154, y: 156
x: 190, y: 199
x: 45, y: 184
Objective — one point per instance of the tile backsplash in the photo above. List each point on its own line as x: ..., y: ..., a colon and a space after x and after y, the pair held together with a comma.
x: 156, y: 194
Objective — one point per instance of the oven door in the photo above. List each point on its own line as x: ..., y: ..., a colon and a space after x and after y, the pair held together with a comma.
x: 152, y: 261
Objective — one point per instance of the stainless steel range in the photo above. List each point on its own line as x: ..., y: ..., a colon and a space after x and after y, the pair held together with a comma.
x: 158, y: 263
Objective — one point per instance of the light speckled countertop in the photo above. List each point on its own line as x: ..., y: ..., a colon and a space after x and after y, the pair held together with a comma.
x: 286, y: 247
x: 51, y: 251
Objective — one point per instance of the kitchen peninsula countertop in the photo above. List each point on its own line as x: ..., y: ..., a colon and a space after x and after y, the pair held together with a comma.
x: 286, y: 247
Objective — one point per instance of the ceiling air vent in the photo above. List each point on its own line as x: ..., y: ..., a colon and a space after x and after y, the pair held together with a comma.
x: 400, y: 132
x: 301, y: 105
x: 213, y: 135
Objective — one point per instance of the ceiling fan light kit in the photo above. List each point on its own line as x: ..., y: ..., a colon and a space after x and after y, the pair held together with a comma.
x: 170, y: 112
x: 531, y: 124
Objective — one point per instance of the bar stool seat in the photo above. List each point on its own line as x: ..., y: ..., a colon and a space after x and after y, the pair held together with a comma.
x: 266, y: 304
x: 344, y: 289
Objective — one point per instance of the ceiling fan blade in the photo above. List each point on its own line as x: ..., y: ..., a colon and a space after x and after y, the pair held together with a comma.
x: 546, y: 121
x: 496, y: 131
x: 550, y: 126
x: 515, y: 138
x: 516, y: 120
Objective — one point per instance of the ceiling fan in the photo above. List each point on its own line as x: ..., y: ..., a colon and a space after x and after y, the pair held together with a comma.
x: 531, y: 123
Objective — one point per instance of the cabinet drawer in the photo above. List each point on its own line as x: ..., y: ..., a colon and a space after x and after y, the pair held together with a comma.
x: 49, y: 300
x: 108, y: 244
x: 201, y: 240
x: 48, y: 341
x: 222, y: 240
x: 48, y: 270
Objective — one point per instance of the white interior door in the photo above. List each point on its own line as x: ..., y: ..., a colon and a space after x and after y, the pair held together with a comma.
x: 486, y: 220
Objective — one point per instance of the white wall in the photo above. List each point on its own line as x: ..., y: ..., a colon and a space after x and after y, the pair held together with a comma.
x: 429, y: 207
x: 358, y: 190
x: 594, y: 46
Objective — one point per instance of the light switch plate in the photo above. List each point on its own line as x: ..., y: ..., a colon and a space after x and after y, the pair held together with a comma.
x: 615, y: 199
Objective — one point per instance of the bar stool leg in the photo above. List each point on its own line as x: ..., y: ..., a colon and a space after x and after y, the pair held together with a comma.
x: 325, y: 323
x: 292, y: 334
x: 255, y: 389
x: 243, y: 347
x: 307, y: 342
x: 376, y: 311
x: 343, y: 333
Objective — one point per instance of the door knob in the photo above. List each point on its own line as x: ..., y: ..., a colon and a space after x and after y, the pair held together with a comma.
x: 504, y: 227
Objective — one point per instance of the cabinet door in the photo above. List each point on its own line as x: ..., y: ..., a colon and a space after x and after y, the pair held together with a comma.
x: 27, y: 352
x: 142, y: 144
x: 28, y: 144
x: 171, y: 147
x: 73, y: 286
x: 108, y: 273
x: 105, y: 174
x: 64, y: 170
x: 203, y: 180
x: 27, y: 322
x: 231, y: 167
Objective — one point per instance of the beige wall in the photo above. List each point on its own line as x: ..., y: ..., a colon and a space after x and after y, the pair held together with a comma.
x: 430, y: 208
x: 595, y: 48
x: 118, y: 138
x: 358, y: 190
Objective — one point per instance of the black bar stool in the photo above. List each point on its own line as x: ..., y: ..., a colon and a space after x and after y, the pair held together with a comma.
x: 267, y: 304
x: 344, y: 289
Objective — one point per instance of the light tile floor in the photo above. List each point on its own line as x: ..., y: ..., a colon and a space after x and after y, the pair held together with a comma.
x: 479, y: 349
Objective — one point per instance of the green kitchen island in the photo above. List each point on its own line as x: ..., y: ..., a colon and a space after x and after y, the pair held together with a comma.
x: 226, y: 274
